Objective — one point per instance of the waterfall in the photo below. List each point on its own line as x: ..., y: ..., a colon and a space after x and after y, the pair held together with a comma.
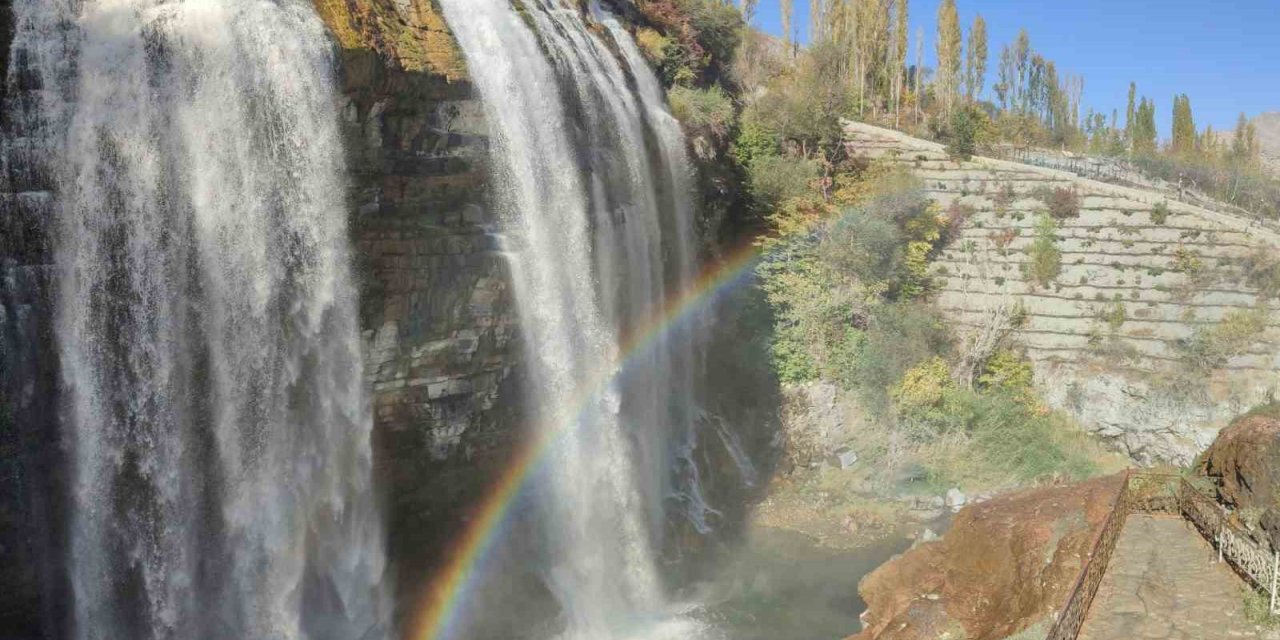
x: 205, y: 319
x: 593, y: 185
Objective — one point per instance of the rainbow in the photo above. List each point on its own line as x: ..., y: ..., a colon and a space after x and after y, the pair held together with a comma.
x: 438, y: 609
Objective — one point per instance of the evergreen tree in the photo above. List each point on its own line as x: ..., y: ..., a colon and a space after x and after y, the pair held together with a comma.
x: 1183, y: 140
x: 948, y: 48
x: 976, y: 63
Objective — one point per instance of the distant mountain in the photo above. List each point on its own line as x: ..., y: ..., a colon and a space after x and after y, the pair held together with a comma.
x: 1268, y: 125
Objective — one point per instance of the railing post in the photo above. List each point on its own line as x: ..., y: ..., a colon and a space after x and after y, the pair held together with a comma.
x: 1222, y: 538
x: 1275, y: 571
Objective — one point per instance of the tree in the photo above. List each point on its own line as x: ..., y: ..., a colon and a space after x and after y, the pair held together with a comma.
x: 975, y: 76
x: 1183, y: 140
x: 1004, y: 86
x: 749, y: 10
x: 948, y: 47
x: 787, y: 12
x: 1130, y: 112
x: 900, y: 56
x: 1244, y: 144
x: 817, y: 20
x: 1022, y: 69
x: 1144, y: 128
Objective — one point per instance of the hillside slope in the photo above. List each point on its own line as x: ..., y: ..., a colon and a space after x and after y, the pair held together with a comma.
x: 1144, y: 290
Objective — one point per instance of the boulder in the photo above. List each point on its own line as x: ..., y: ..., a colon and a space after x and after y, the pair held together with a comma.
x: 1244, y: 463
x: 1005, y: 564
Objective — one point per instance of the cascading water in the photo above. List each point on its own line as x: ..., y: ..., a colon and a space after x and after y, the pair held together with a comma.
x: 592, y: 180
x: 206, y: 319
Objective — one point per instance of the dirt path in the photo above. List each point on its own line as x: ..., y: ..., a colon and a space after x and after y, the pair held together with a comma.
x: 1163, y: 583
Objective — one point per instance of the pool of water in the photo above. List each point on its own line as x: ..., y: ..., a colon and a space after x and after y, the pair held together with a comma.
x: 782, y: 584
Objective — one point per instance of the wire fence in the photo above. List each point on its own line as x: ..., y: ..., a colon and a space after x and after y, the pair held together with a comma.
x: 1170, y: 495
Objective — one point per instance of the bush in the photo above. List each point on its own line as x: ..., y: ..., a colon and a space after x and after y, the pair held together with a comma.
x: 1262, y: 272
x: 1062, y: 202
x: 701, y: 38
x: 775, y: 179
x: 707, y: 111
x: 1003, y: 198
x: 957, y: 215
x: 754, y: 142
x: 1114, y: 315
x: 1008, y: 372
x: 969, y: 129
x: 1044, y: 259
x: 1160, y: 213
x: 1211, y: 348
x: 899, y: 337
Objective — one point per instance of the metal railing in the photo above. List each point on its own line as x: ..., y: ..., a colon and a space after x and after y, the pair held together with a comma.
x: 1166, y: 494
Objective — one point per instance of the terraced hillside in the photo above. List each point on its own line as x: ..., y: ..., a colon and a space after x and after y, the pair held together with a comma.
x: 1152, y: 321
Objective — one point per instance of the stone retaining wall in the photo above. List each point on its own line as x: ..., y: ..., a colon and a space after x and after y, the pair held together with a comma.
x: 1116, y: 378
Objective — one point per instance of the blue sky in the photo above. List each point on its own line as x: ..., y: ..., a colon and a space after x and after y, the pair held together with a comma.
x: 1224, y: 54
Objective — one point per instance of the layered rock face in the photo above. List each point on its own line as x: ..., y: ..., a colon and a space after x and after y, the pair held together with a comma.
x: 1142, y: 279
x: 1005, y: 565
x: 436, y: 306
x: 33, y: 578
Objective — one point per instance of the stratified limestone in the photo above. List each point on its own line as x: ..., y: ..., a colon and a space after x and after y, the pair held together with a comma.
x: 1124, y: 257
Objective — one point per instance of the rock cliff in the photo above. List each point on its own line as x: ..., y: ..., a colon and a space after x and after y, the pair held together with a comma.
x: 436, y: 307
x: 1143, y: 287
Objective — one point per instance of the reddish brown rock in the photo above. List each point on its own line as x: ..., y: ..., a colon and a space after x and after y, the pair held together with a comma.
x: 1005, y: 565
x: 1244, y: 462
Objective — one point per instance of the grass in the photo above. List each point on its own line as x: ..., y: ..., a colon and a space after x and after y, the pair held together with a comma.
x: 1257, y: 610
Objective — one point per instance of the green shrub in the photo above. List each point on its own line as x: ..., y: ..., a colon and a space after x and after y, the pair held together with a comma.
x: 1160, y: 213
x: 899, y: 337
x: 775, y: 179
x: 754, y: 142
x: 1114, y: 315
x: 706, y: 111
x: 1044, y: 261
x: 970, y: 128
x: 1211, y: 348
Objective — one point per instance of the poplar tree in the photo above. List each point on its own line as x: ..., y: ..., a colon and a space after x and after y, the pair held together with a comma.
x: 948, y: 48
x: 900, y: 56
x: 1007, y: 77
x: 1244, y: 144
x: 1129, y: 112
x: 748, y: 8
x: 1144, y: 128
x: 919, y: 70
x: 1022, y: 70
x: 975, y: 76
x: 1183, y: 140
x: 786, y: 23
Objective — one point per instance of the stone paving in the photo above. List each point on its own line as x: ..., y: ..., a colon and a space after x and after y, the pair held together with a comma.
x: 1163, y: 582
